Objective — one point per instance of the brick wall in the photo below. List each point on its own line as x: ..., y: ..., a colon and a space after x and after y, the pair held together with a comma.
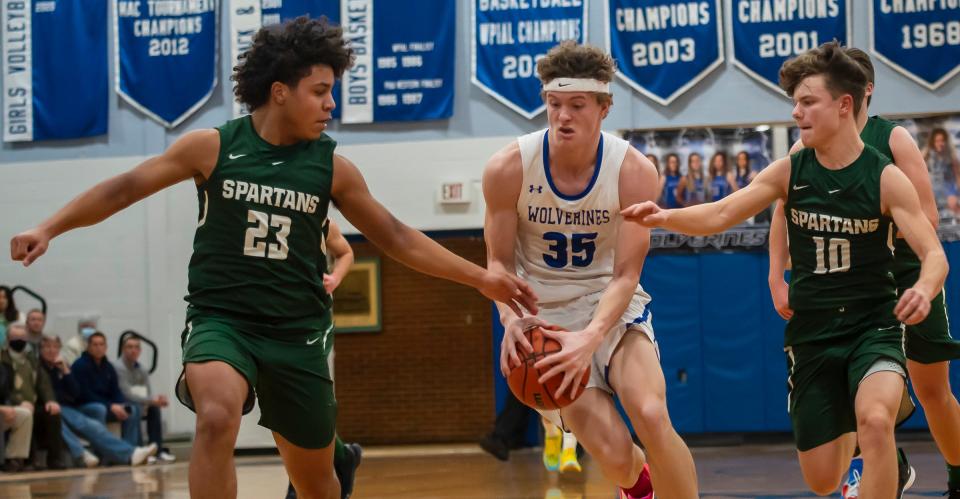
x: 427, y: 376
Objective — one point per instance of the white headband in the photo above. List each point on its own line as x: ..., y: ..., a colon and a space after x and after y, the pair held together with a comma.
x: 577, y: 85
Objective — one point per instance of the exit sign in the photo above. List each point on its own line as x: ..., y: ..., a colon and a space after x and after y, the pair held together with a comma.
x: 454, y: 193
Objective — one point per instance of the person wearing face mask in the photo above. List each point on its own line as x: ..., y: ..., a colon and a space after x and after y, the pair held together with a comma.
x: 74, y: 347
x: 33, y: 394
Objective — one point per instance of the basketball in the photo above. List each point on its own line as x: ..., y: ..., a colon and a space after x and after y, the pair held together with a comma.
x: 523, y: 380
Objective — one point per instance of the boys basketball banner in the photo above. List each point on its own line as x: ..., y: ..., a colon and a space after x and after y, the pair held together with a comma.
x: 664, y: 50
x: 510, y: 36
x: 166, y: 55
x: 404, y: 57
x: 54, y: 69
x: 765, y: 33
x: 919, y: 39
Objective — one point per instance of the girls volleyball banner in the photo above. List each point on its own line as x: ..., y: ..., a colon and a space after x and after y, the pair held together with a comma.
x: 166, y: 55
x: 765, y: 33
x: 664, y: 50
x: 919, y: 39
x: 54, y: 69
x: 509, y: 36
x: 404, y: 68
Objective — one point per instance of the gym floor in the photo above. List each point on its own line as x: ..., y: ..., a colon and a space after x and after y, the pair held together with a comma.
x: 464, y: 471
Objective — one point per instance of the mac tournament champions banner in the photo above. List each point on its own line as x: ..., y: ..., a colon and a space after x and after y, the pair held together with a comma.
x: 765, y: 33
x: 510, y: 36
x: 55, y: 83
x: 919, y: 39
x: 166, y: 55
x: 404, y: 68
x: 664, y: 50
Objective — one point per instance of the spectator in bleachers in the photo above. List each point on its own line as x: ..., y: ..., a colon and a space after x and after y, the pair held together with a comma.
x: 743, y: 174
x: 74, y: 347
x: 99, y: 384
x: 75, y: 422
x: 18, y: 405
x: 721, y: 180
x: 135, y: 385
x: 8, y: 312
x: 36, y: 320
x: 32, y: 390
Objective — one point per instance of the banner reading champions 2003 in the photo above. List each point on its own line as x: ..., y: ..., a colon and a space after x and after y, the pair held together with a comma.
x: 918, y: 39
x: 166, y: 55
x: 509, y: 36
x: 404, y: 65
x: 765, y: 33
x: 664, y: 48
x: 55, y: 83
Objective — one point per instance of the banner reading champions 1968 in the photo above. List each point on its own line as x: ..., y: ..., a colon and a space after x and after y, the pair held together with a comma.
x: 166, y: 55
x: 765, y: 33
x: 53, y: 52
x: 919, y: 39
x: 509, y: 36
x: 404, y: 68
x: 665, y: 48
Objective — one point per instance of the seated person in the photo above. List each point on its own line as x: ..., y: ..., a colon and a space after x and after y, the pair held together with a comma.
x: 99, y: 384
x: 36, y: 320
x: 75, y: 345
x: 76, y: 423
x: 17, y: 418
x: 135, y: 385
x: 32, y: 391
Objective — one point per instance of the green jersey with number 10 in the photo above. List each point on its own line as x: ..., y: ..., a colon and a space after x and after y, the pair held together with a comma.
x: 257, y: 252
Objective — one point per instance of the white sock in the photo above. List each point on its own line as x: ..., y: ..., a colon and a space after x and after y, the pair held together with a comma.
x: 569, y: 441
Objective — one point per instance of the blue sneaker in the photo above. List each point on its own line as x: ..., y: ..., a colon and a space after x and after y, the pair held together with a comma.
x: 851, y: 487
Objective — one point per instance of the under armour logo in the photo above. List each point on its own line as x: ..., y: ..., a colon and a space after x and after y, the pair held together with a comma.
x: 538, y: 188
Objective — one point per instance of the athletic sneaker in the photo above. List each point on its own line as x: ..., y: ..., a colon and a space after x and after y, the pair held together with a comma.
x: 166, y: 457
x: 952, y: 494
x: 643, y: 489
x: 140, y: 454
x: 568, y: 460
x: 347, y: 470
x: 551, y: 451
x: 851, y: 487
x: 90, y: 460
x: 906, y: 474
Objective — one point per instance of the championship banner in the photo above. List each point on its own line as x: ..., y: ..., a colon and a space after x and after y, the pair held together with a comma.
x: 166, y: 55
x: 919, y: 39
x: 765, y: 33
x: 404, y: 67
x: 510, y: 36
x: 665, y: 49
x: 54, y: 69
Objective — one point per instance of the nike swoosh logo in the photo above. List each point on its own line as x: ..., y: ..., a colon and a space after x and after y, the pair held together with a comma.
x: 564, y: 84
x: 311, y: 342
x: 275, y: 163
x: 235, y: 156
x: 800, y: 187
x: 324, y: 335
x: 835, y: 190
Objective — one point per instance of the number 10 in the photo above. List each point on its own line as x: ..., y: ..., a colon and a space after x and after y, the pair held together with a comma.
x: 839, y: 250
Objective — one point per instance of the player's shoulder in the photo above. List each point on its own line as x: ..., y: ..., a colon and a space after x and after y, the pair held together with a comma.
x: 506, y: 161
x: 637, y: 163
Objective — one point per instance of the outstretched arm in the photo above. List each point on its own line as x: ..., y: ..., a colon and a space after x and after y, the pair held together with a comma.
x: 710, y: 218
x: 415, y: 250
x: 899, y: 198
x: 192, y: 156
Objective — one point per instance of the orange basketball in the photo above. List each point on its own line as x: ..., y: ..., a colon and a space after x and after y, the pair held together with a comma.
x: 523, y: 380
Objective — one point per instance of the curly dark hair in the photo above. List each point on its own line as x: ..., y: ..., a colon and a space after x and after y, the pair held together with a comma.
x: 286, y: 53
x: 842, y: 74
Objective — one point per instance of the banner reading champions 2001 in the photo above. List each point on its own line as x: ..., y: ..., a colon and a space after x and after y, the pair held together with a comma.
x: 664, y: 49
x: 509, y: 36
x: 404, y: 67
x: 166, y: 55
x: 55, y: 83
x: 765, y: 33
x: 918, y: 39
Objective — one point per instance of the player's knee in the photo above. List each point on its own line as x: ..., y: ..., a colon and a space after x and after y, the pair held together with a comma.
x: 874, y: 426
x: 650, y: 417
x: 215, y: 419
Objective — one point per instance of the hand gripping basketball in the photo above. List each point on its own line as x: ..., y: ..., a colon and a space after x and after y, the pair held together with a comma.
x: 524, y: 379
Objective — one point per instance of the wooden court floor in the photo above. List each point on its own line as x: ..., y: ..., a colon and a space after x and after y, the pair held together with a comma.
x: 756, y: 471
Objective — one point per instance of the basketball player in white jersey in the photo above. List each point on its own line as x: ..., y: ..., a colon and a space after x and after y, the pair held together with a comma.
x: 553, y: 199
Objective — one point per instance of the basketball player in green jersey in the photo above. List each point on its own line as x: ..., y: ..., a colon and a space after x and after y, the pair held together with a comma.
x: 844, y: 342
x: 929, y: 346
x: 258, y: 315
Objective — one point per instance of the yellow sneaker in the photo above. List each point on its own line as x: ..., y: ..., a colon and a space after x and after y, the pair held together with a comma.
x: 568, y: 461
x: 551, y: 451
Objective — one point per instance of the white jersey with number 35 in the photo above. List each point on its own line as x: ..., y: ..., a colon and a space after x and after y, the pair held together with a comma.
x: 565, y: 241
